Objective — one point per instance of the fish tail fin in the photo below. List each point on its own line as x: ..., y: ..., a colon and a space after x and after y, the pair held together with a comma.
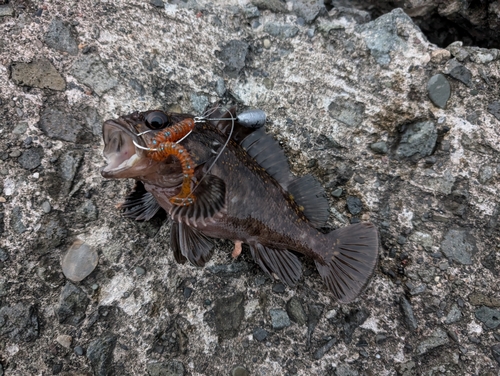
x: 349, y: 260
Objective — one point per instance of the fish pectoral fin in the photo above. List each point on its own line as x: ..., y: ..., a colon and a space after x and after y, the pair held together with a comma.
x: 140, y: 204
x: 282, y: 262
x: 308, y: 193
x: 350, y: 260
x: 209, y: 199
x: 190, y: 244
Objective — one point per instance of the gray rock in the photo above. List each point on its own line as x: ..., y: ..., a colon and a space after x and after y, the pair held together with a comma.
x: 86, y: 212
x: 58, y: 124
x: 279, y: 319
x: 439, y: 90
x: 73, y: 303
x: 486, y: 173
x: 436, y: 339
x: 31, y: 158
x: 52, y: 232
x: 79, y: 261
x: 38, y: 73
x: 454, y: 315
x: 4, y: 256
x: 229, y: 313
x: 354, y: 205
x: 296, y: 311
x: 424, y: 239
x: 46, y: 207
x: 91, y: 71
x: 100, y: 354
x: 60, y: 37
x: 280, y: 30
x: 199, y: 103
x: 458, y: 245
x: 408, y: 316
x: 462, y: 74
x: 260, y: 334
x: 379, y: 147
x: 239, y: 371
x: 309, y: 10
x: 173, y: 368
x: 19, y: 322
x: 157, y: 3
x: 418, y: 138
x: 478, y: 299
x: 495, y: 351
x: 348, y: 112
x: 352, y: 321
x: 68, y: 164
x: 251, y: 11
x: 6, y: 10
x: 276, y: 6
x: 16, y: 220
x: 488, y: 316
x: 494, y: 109
x: 319, y: 353
x: 233, y: 55
x: 382, y: 35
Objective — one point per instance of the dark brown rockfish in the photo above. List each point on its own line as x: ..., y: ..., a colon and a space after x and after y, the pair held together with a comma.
x: 248, y: 196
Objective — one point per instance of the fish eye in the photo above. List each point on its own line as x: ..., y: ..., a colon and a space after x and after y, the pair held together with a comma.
x: 157, y: 120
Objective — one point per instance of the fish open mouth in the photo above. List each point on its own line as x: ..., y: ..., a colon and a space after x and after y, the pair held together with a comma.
x: 121, y: 154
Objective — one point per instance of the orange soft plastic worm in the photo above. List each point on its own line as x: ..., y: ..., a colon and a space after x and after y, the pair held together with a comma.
x: 175, y: 132
x: 165, y: 149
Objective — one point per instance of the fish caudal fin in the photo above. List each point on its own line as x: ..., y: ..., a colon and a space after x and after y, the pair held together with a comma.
x: 351, y: 260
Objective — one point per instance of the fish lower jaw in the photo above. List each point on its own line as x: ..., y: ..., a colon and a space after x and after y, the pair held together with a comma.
x: 112, y: 169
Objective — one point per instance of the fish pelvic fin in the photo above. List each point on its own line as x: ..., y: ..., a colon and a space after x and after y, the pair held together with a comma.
x: 350, y: 261
x: 187, y: 243
x: 281, y: 262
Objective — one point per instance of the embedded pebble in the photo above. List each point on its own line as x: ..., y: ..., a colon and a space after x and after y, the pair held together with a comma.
x: 454, y: 315
x: 38, y: 73
x: 354, y: 205
x: 408, y: 315
x: 60, y: 37
x: 439, y: 90
x: 79, y: 350
x: 260, y: 334
x: 488, y: 316
x: 458, y: 245
x: 417, y: 139
x: 239, y: 371
x: 436, y: 339
x: 296, y: 311
x: 279, y: 318
x: 80, y: 260
x: 379, y: 147
x: 64, y: 340
x: 140, y: 270
x: 46, y: 207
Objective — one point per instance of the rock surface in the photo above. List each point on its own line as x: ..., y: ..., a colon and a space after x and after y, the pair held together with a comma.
x: 344, y: 96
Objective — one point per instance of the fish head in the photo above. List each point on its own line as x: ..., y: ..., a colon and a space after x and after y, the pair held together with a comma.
x: 126, y: 140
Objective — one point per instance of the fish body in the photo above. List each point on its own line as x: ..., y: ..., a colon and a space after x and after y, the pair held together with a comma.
x: 243, y: 191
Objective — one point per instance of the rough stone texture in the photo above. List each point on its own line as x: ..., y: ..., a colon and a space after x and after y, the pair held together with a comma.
x: 330, y: 89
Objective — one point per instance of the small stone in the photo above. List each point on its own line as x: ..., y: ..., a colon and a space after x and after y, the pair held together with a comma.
x: 486, y: 172
x: 79, y: 261
x: 157, y: 3
x: 239, y: 371
x: 251, y: 11
x: 279, y: 319
x: 187, y: 292
x: 494, y: 109
x: 46, y: 207
x: 308, y: 10
x: 379, y: 147
x: 439, y: 90
x: 89, y: 70
x: 454, y: 315
x: 462, y: 74
x: 348, y: 112
x: 337, y: 192
x: 233, y: 55
x: 267, y: 43
x: 60, y: 37
x: 59, y: 124
x: 229, y: 313
x: 38, y: 73
x: 296, y: 311
x: 359, y: 179
x: 260, y: 334
x: 489, y: 317
x: 173, y: 368
x: 417, y: 140
x: 424, y: 239
x: 64, y: 340
x: 16, y: 220
x: 495, y: 351
x: 19, y: 322
x: 281, y: 30
x: 458, y: 245
x: 100, y: 354
x: 436, y: 339
x: 354, y: 205
x: 318, y: 354
x: 401, y: 239
x: 79, y: 350
x: 279, y: 288
x: 439, y: 55
x: 72, y: 305
x: 199, y: 102
x: 478, y: 299
x: 140, y: 270
x: 6, y: 10
x: 408, y: 315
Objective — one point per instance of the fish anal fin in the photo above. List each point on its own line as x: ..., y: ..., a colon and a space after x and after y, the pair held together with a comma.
x: 308, y: 193
x: 190, y: 244
x: 209, y: 199
x: 349, y: 260
x: 140, y: 204
x: 281, y: 262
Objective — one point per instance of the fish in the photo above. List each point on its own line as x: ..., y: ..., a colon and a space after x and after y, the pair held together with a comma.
x: 241, y: 189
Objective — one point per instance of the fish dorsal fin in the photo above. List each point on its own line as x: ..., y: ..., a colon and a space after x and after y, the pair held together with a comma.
x: 210, y: 197
x: 269, y: 155
x: 308, y: 193
x: 190, y: 244
x: 282, y: 262
x: 139, y: 204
